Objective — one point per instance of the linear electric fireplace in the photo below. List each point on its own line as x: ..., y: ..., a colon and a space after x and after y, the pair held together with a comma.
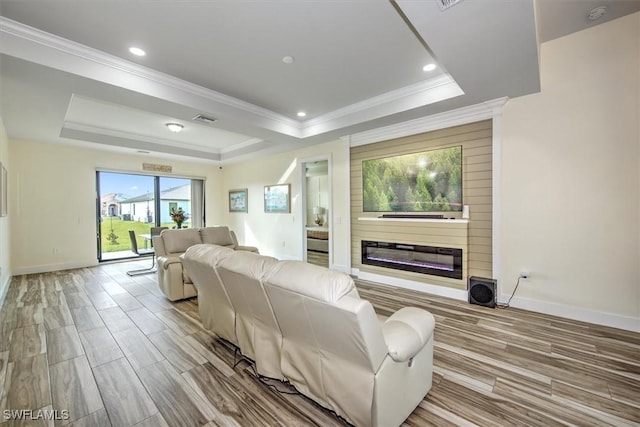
x: 437, y: 261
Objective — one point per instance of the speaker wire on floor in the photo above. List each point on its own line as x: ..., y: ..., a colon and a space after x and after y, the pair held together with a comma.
x: 511, y: 297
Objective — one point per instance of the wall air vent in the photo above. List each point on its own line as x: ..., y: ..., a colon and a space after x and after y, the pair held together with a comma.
x: 203, y: 119
x: 446, y: 4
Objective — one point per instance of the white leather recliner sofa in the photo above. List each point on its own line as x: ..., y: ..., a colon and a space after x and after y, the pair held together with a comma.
x: 328, y: 342
x: 173, y: 280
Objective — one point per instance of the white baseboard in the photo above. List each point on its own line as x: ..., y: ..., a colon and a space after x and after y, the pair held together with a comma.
x: 52, y: 267
x: 410, y: 284
x: 576, y: 313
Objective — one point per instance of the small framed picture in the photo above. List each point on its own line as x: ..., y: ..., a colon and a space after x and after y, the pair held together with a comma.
x: 238, y: 200
x: 277, y: 198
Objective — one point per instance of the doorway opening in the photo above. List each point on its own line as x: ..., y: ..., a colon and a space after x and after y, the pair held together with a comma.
x: 317, y: 210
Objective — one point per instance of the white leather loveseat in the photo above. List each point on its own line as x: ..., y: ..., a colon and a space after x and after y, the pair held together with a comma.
x: 174, y: 282
x: 308, y: 325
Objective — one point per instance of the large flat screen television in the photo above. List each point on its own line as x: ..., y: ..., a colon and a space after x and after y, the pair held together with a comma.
x: 430, y: 181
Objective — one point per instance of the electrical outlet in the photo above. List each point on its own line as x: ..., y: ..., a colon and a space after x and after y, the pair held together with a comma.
x: 524, y: 275
x: 56, y: 251
x: 284, y: 243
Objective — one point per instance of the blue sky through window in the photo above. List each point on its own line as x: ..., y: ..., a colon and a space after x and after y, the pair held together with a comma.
x: 131, y: 185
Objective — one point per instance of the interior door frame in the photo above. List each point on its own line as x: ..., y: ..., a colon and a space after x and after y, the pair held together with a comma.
x: 302, y: 163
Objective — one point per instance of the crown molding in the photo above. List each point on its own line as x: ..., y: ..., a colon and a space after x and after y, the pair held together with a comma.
x: 98, y: 130
x: 460, y: 116
x: 382, y: 99
x: 32, y: 44
x: 37, y: 37
x: 248, y: 143
x: 396, y: 101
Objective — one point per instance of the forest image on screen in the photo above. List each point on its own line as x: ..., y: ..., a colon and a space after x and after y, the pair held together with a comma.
x: 429, y: 181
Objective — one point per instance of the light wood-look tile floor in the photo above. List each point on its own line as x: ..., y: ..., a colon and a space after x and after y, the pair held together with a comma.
x: 110, y: 350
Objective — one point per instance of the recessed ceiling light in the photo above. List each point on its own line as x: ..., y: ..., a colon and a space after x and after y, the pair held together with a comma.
x: 429, y: 67
x: 137, y: 51
x: 597, y: 13
x: 175, y: 127
x: 302, y: 114
x: 288, y: 59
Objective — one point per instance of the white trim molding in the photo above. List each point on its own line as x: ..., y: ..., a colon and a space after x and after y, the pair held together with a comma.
x: 34, y: 45
x: 461, y: 116
x: 576, y: 313
x: 53, y: 267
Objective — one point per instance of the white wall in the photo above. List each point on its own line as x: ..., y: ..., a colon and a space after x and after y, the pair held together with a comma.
x: 5, y: 258
x: 52, y: 201
x: 281, y: 235
x: 570, y: 181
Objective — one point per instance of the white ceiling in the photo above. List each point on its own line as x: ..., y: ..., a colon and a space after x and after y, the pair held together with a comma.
x: 67, y: 76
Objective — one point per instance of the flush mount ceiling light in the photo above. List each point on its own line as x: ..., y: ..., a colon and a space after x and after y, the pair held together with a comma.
x: 429, y: 67
x: 288, y: 59
x: 175, y: 127
x: 301, y: 114
x: 137, y: 51
x: 597, y: 13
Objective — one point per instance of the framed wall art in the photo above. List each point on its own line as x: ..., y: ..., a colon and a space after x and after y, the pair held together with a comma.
x: 277, y: 198
x: 238, y: 200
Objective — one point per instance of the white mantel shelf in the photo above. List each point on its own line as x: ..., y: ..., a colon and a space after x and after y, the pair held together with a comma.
x: 444, y: 220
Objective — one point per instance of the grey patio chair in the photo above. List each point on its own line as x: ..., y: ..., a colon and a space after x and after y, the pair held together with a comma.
x: 141, y: 252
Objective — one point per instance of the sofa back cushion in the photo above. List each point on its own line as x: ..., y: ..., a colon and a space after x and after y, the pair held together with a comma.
x: 217, y: 236
x: 178, y: 241
x: 258, y: 333
x: 216, y: 311
x: 313, y: 281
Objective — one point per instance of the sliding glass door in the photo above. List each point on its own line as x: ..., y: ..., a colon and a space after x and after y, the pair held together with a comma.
x: 175, y: 194
x: 128, y: 205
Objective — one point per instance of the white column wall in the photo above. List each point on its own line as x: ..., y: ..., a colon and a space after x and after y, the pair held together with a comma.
x: 570, y: 180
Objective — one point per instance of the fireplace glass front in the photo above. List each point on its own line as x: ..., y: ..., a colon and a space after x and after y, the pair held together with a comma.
x: 433, y: 260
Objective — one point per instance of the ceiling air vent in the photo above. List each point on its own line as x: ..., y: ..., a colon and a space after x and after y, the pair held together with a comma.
x: 203, y: 119
x: 446, y: 4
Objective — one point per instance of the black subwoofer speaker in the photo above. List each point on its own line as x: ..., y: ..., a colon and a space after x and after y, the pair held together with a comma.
x: 482, y: 291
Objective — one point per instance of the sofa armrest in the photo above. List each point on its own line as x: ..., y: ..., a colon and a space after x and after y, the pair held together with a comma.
x: 407, y: 331
x: 165, y: 261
